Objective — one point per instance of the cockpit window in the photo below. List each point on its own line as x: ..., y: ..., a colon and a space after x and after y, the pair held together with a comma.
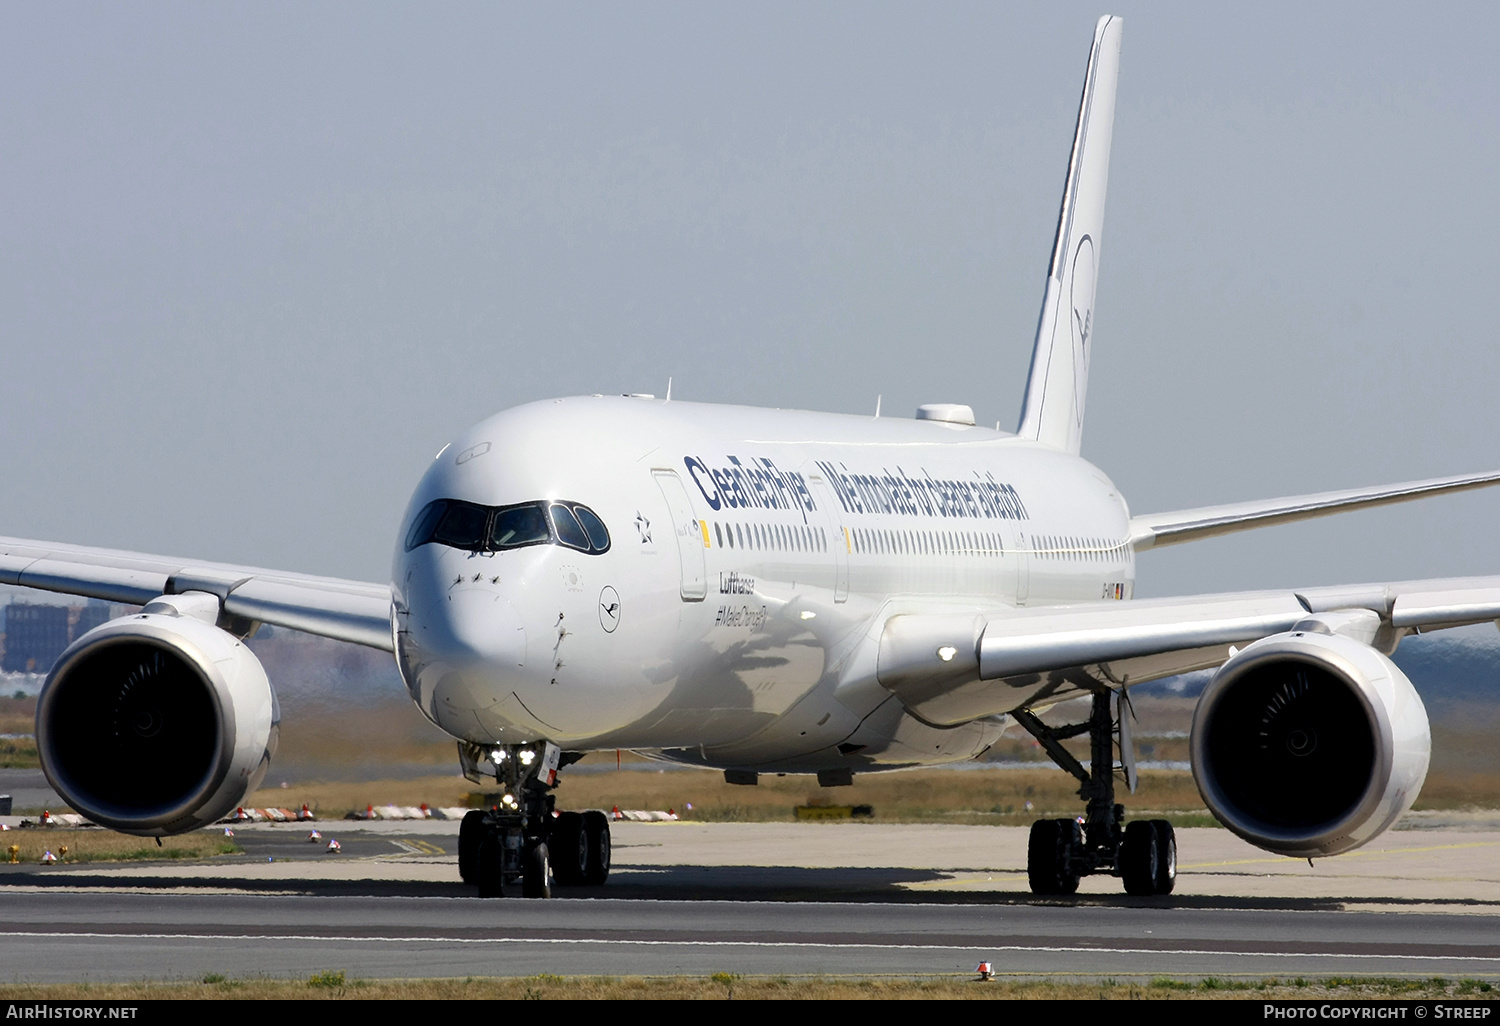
x: 465, y: 525
x: 461, y: 526
x: 569, y: 530
x: 597, y: 532
x: 520, y: 525
x: 421, y: 528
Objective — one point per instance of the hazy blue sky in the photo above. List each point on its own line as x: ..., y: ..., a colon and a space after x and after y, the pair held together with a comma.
x: 258, y: 263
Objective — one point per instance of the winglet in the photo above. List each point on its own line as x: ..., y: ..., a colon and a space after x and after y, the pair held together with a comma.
x: 1052, y: 411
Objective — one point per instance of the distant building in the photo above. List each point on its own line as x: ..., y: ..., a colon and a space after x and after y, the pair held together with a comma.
x: 89, y: 617
x: 34, y: 637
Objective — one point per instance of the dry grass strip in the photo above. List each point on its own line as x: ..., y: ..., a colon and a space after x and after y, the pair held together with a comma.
x: 97, y: 845
x: 336, y: 984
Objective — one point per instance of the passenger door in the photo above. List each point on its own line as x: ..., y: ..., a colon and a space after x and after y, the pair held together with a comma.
x: 689, y: 533
x: 837, y: 539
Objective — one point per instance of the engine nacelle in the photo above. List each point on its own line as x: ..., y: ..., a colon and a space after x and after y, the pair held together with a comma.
x: 1309, y: 743
x: 156, y: 723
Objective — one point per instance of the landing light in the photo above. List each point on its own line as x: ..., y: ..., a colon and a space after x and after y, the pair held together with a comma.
x: 946, y: 653
x: 808, y: 614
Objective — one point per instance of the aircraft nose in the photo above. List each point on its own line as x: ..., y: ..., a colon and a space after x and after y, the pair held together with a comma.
x: 474, y: 629
x: 465, y: 646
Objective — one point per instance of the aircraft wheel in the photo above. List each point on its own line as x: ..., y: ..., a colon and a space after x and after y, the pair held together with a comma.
x: 1166, y: 856
x: 596, y: 830
x: 1049, y: 853
x: 470, y: 833
x: 490, y: 868
x: 1140, y: 857
x: 569, y: 846
x: 536, y: 872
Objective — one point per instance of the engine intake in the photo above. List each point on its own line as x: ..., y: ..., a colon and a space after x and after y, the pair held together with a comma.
x: 156, y: 723
x: 1309, y: 743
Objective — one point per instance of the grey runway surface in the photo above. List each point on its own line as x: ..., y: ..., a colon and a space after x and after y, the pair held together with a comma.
x: 29, y: 789
x: 766, y: 899
x: 63, y: 937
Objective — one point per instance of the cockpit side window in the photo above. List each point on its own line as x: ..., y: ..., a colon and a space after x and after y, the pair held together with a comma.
x: 597, y: 532
x: 421, y: 528
x: 569, y: 531
x: 520, y: 525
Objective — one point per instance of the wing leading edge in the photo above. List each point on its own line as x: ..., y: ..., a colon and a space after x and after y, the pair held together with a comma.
x: 352, y: 611
x: 1157, y: 529
x: 952, y: 668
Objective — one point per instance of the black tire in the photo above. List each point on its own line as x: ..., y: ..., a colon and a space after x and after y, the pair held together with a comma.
x: 470, y: 833
x: 596, y: 828
x: 536, y: 872
x: 568, y: 846
x: 1166, y: 856
x: 490, y: 868
x: 1140, y: 858
x: 1049, y: 856
x: 1072, y: 843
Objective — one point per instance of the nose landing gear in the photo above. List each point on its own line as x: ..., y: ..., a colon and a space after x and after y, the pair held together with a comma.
x: 522, y: 845
x: 1060, y: 851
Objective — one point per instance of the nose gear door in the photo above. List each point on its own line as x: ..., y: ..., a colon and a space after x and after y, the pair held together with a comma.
x: 689, y: 533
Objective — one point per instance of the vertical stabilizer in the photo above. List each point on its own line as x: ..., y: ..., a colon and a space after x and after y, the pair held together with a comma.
x: 1052, y: 412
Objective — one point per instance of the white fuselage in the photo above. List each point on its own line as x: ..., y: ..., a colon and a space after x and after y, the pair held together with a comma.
x: 753, y: 557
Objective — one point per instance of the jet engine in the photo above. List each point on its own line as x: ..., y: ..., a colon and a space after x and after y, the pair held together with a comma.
x: 157, y: 723
x: 1309, y: 743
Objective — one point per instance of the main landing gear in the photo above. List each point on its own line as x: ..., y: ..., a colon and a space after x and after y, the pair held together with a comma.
x: 522, y: 845
x: 1143, y: 853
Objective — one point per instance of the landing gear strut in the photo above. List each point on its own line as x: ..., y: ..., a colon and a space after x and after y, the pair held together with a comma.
x: 522, y: 845
x: 1143, y: 853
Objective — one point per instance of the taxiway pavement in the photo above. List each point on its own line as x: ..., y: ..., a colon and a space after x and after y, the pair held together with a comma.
x: 779, y: 899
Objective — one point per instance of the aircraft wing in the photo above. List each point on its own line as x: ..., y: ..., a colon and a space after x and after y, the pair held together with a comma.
x: 334, y: 608
x: 952, y: 668
x: 1157, y: 529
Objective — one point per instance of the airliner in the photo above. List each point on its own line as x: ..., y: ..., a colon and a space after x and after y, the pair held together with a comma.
x: 770, y: 591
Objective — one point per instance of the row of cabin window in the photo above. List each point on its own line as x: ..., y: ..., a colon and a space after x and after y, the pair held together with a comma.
x: 907, y: 543
x: 1079, y: 549
x: 926, y: 543
x: 765, y: 537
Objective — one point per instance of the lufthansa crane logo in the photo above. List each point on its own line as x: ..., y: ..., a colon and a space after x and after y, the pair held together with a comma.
x: 609, y: 609
x: 1081, y: 301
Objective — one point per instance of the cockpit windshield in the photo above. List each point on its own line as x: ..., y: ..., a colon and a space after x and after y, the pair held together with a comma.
x: 475, y: 528
x: 462, y: 525
x: 519, y: 525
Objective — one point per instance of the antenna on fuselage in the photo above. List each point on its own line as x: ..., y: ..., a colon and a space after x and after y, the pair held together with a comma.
x: 877, y: 403
x: 669, y: 388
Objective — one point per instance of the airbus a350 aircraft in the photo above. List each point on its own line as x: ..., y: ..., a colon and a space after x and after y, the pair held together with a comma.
x: 778, y: 591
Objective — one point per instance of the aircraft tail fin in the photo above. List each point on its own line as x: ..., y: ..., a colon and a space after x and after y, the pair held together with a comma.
x: 1052, y: 411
